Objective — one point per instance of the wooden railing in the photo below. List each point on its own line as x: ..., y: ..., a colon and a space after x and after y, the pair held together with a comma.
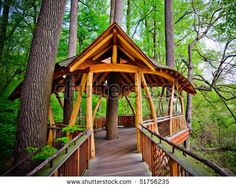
x: 71, y: 160
x: 163, y: 125
x: 165, y: 158
x: 124, y: 120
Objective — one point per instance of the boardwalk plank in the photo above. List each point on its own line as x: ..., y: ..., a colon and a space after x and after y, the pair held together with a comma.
x: 117, y: 157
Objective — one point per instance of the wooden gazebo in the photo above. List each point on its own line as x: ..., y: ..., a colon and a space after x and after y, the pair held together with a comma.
x: 115, y: 54
x: 114, y: 51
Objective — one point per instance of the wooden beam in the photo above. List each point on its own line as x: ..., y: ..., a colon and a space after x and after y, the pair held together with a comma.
x: 89, y: 53
x: 78, y: 101
x: 171, y: 109
x: 51, y: 124
x: 151, y: 104
x: 181, y: 97
x: 103, y: 77
x: 114, y: 47
x: 96, y: 107
x: 159, y: 73
x: 89, y: 111
x: 124, y: 81
x: 160, y: 100
x: 130, y: 104
x: 125, y: 68
x: 114, y: 54
x: 129, y: 81
x: 138, y: 116
x: 149, y: 79
x: 101, y: 53
x: 126, y: 53
x: 135, y: 52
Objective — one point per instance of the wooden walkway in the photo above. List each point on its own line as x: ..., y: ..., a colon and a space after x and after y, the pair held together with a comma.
x: 117, y: 157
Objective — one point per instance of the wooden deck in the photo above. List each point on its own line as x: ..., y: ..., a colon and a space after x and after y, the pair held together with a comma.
x: 117, y: 157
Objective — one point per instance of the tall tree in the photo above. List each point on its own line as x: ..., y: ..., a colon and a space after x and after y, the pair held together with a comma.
x: 128, y: 17
x: 69, y: 91
x: 155, y: 33
x: 169, y: 34
x: 113, y: 93
x: 3, y: 25
x: 36, y: 90
x: 201, y: 32
x: 116, y: 12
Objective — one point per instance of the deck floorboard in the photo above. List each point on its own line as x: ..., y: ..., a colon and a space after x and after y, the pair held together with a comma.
x: 117, y: 157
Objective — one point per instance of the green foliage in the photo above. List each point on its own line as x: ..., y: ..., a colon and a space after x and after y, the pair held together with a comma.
x: 31, y: 149
x: 93, y: 19
x: 63, y: 140
x: 72, y: 129
x: 44, y: 153
x: 213, y: 127
x: 56, y: 108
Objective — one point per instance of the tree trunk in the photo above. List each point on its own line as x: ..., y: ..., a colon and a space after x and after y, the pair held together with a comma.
x: 116, y: 12
x: 189, y: 104
x: 36, y: 90
x: 113, y: 93
x: 69, y: 90
x: 189, y: 96
x: 3, y: 26
x: 128, y: 18
x: 169, y: 34
x: 112, y: 107
x: 155, y: 40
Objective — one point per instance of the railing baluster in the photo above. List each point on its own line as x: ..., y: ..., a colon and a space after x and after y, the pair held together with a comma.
x: 51, y: 164
x: 176, y: 166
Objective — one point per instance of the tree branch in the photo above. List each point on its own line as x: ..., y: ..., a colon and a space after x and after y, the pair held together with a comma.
x: 139, y: 21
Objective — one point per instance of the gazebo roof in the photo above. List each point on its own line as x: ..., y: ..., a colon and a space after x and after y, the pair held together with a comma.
x: 114, y: 51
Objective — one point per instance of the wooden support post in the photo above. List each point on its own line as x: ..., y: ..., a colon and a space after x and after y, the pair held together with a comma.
x: 78, y: 101
x: 152, y: 107
x: 181, y: 97
x: 52, y: 124
x: 171, y: 109
x: 76, y: 107
x: 96, y: 107
x: 114, y: 47
x: 138, y: 116
x: 160, y: 100
x: 114, y: 54
x: 174, y: 169
x: 130, y: 104
x: 89, y: 111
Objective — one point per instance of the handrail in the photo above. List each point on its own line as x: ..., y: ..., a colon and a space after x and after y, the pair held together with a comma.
x: 51, y: 158
x: 208, y: 163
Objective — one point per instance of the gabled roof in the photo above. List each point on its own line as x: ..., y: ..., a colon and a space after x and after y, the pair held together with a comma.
x: 101, y: 52
x: 102, y: 47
